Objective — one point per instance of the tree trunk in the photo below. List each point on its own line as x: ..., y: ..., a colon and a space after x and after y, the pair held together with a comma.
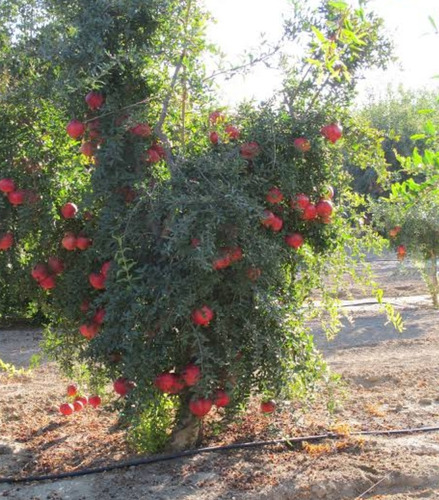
x: 188, y: 431
x: 434, y: 281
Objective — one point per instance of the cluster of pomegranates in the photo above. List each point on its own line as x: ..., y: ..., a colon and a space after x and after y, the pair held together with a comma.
x: 90, y: 130
x: 78, y: 402
x: 221, y: 131
x: 45, y: 273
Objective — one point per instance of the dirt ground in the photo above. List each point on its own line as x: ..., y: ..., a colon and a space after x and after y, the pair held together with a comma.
x: 389, y: 381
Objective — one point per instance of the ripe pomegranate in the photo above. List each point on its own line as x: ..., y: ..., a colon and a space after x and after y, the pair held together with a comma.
x: 216, y: 117
x: 122, y: 386
x: 72, y: 390
x: 99, y: 316
x: 200, y: 407
x: 294, y: 240
x: 191, y: 374
x: 141, y: 130
x: 221, y: 399
x: 332, y: 132
x: 274, y: 195
x: 310, y: 212
x: 177, y: 386
x: 324, y: 208
x: 214, y: 137
x: 17, y: 197
x: 40, y: 272
x: 66, y: 409
x: 234, y: 253
x: 152, y: 156
x: 48, y: 283
x: 87, y: 149
x: 401, y: 252
x: 95, y: 100
x: 202, y: 316
x: 195, y: 242
x: 6, y: 241
x: 165, y: 382
x: 85, y: 306
x: 82, y: 242
x: 75, y: 129
x: 69, y: 241
x: 7, y: 185
x: 249, y: 150
x: 97, y: 281
x: 56, y: 265
x: 89, y: 330
x: 69, y: 210
x: 268, y: 406
x: 393, y: 233
x: 83, y: 399
x: 232, y: 132
x: 78, y: 405
x: 302, y: 144
x: 159, y: 149
x: 105, y: 268
x: 221, y: 263
x: 272, y: 221
x: 253, y: 273
x: 300, y: 201
x: 94, y: 401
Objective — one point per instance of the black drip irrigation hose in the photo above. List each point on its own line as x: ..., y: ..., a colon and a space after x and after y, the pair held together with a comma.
x: 212, y: 449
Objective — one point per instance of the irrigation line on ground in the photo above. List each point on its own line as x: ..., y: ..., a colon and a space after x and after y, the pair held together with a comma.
x: 189, y: 453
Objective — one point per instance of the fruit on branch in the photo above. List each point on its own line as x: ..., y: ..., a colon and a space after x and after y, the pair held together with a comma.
x: 105, y: 268
x: 56, y: 265
x: 301, y: 144
x: 7, y: 185
x: 191, y: 374
x: 274, y: 196
x: 6, y: 241
x: 221, y: 398
x: 294, y: 240
x: 249, y: 150
x: 99, y: 316
x: 216, y: 117
x: 200, y: 407
x: 202, y: 316
x: 272, y: 221
x: 214, y: 137
x: 89, y: 330
x: 122, y: 386
x: 232, y: 132
x: 152, y: 156
x: 69, y: 210
x: 401, y: 252
x: 88, y: 149
x: 94, y: 100
x: 324, y: 209
x: 393, y: 233
x: 253, y: 273
x: 300, y: 201
x: 141, y: 130
x: 82, y: 242
x: 69, y: 242
x: 309, y: 212
x: 16, y: 197
x: 97, y: 281
x: 333, y: 132
x: 48, y: 283
x: 75, y: 129
x: 40, y: 272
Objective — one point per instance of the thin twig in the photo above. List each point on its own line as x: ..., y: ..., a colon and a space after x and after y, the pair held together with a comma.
x: 372, y: 487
